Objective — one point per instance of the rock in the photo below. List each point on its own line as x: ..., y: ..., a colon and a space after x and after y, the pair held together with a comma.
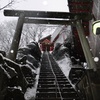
x: 14, y: 94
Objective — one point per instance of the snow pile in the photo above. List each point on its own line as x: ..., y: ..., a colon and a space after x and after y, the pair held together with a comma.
x: 65, y: 65
x: 31, y: 92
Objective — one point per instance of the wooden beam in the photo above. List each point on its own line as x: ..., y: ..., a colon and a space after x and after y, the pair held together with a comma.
x: 48, y: 14
x: 49, y: 21
x: 16, y: 39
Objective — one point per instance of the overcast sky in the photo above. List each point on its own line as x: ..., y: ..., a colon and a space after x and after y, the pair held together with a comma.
x: 43, y: 5
x: 48, y: 5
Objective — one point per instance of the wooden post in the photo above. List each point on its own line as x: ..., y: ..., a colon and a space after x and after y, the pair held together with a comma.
x: 16, y: 40
x: 85, y: 46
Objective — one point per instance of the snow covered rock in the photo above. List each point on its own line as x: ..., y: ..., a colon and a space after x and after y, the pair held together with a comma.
x: 60, y: 51
x: 3, y: 53
x: 35, y: 50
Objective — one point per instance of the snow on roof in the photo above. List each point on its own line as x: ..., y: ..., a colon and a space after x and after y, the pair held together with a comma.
x: 46, y: 37
x: 46, y: 41
x: 47, y: 32
x: 56, y: 32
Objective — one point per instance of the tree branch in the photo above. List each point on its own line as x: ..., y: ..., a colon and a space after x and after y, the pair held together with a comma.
x: 9, y: 4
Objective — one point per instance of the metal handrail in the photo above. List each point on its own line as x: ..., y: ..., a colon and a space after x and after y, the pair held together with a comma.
x: 57, y: 85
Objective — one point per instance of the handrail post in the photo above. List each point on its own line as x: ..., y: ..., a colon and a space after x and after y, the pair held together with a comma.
x: 16, y: 39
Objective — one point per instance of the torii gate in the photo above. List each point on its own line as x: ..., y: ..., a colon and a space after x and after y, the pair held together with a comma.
x: 45, y: 17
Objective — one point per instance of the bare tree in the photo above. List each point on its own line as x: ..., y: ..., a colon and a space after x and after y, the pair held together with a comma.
x: 31, y: 32
x: 8, y: 3
x: 6, y: 34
